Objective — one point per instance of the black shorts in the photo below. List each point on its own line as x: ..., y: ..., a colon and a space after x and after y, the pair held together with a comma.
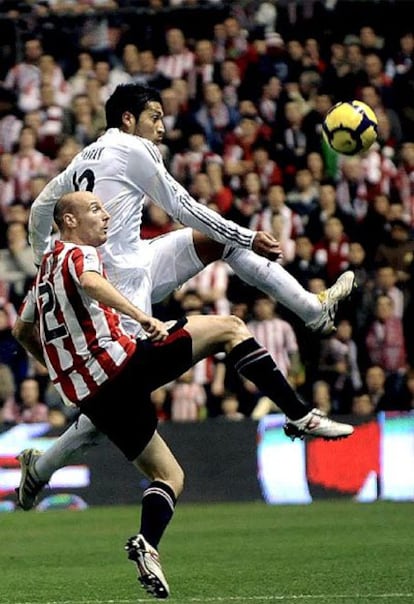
x: 122, y: 408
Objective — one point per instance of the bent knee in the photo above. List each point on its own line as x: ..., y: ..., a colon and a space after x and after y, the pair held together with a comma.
x: 237, y: 329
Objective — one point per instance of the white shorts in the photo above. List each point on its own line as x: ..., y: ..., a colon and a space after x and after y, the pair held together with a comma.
x: 160, y: 267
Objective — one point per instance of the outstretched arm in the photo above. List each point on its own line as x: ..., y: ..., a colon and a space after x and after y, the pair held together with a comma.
x: 147, y: 169
x: 41, y: 215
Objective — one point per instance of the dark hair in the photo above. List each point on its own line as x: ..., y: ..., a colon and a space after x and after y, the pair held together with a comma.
x: 128, y: 97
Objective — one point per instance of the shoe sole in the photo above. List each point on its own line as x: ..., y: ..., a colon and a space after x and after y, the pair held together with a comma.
x: 24, y: 469
x: 334, y: 308
x: 149, y: 581
x: 293, y: 432
x: 153, y: 586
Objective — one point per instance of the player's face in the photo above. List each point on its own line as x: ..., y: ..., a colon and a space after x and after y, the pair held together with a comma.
x: 150, y: 124
x: 93, y: 223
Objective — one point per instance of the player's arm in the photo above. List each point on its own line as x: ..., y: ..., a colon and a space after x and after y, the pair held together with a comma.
x: 27, y: 334
x: 146, y: 168
x: 25, y: 328
x: 41, y: 214
x: 101, y: 290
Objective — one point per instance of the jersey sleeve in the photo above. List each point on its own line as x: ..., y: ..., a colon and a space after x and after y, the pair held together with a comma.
x: 82, y: 259
x: 147, y: 170
x: 27, y: 310
x: 41, y: 214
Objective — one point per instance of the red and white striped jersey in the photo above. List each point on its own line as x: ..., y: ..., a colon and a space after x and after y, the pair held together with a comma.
x: 83, y: 341
x: 278, y: 337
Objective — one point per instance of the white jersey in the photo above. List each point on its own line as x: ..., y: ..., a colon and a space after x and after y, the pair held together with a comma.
x: 123, y: 170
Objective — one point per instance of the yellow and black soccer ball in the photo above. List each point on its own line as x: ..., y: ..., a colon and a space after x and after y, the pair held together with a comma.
x: 350, y: 127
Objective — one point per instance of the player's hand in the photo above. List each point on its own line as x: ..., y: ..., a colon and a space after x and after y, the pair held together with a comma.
x: 155, y: 329
x: 264, y: 244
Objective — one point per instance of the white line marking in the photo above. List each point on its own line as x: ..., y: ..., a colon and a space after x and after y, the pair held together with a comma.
x: 287, y: 598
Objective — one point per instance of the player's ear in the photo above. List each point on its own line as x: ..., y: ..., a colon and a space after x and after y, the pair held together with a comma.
x: 128, y: 122
x: 70, y: 220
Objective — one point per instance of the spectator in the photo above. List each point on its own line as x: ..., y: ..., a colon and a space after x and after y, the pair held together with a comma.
x: 178, y: 60
x: 362, y: 405
x: 303, y: 196
x: 16, y: 261
x: 240, y: 148
x: 8, y: 185
x: 277, y: 336
x: 316, y: 164
x: 321, y: 396
x: 249, y: 199
x: 386, y: 284
x: 352, y: 189
x: 87, y: 121
x: 51, y: 74
x: 32, y: 409
x: 8, y: 406
x: 376, y: 387
x: 279, y: 230
x: 398, y: 251
x: 193, y: 157
x: 27, y: 162
x: 149, y: 73
x: 271, y: 101
x: 385, y: 339
x: 204, y: 70
x: 312, y: 122
x: 211, y: 285
x: 332, y: 251
x: 376, y: 76
x: 268, y: 170
x: 304, y: 266
x: 215, y: 117
x: 405, y: 180
x: 406, y: 397
x: 230, y: 82
x: 338, y: 365
x: 371, y: 95
x: 230, y: 408
x: 374, y: 226
x: 327, y: 208
x: 85, y: 70
x: 291, y: 140
x: 177, y: 123
x: 10, y: 120
x: 24, y: 78
x: 188, y: 399
x: 276, y: 204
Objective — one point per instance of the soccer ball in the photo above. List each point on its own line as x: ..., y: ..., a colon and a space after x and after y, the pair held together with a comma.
x: 350, y: 127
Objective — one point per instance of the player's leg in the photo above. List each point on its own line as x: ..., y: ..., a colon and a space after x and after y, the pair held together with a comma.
x: 213, y: 333
x: 158, y: 504
x: 130, y: 422
x: 180, y: 255
x: 317, y: 311
x: 37, y: 468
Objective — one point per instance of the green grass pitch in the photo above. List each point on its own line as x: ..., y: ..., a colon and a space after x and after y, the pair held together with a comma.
x: 339, y: 552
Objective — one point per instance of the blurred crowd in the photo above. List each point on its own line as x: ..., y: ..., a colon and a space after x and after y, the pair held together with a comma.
x: 245, y: 87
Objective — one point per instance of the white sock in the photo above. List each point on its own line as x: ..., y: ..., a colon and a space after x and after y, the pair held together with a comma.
x: 68, y: 448
x: 272, y: 279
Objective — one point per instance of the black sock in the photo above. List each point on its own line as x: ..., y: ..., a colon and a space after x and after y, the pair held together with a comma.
x: 254, y: 362
x: 158, y: 503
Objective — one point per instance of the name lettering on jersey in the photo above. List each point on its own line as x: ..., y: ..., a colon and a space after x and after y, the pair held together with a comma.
x: 93, y: 154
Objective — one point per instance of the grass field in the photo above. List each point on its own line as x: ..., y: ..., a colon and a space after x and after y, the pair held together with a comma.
x: 236, y: 553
